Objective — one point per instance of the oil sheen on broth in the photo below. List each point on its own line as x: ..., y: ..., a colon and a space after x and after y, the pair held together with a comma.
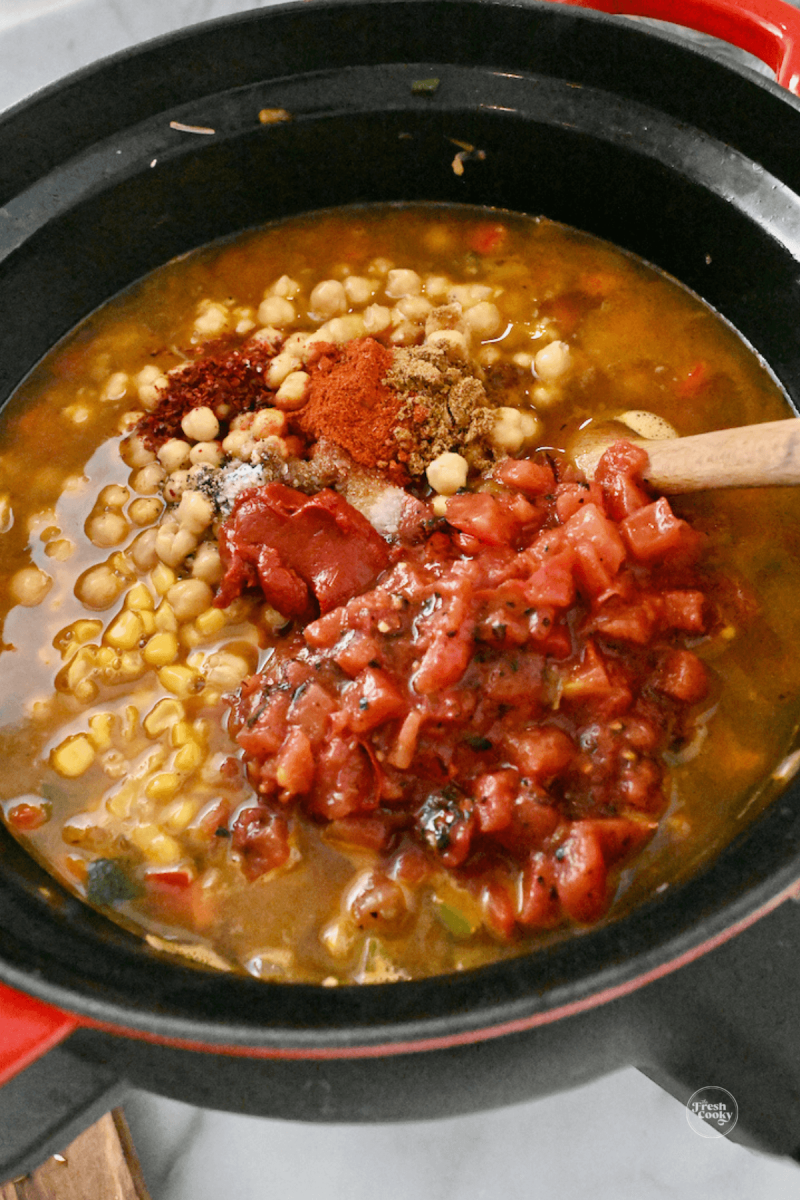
x: 124, y: 456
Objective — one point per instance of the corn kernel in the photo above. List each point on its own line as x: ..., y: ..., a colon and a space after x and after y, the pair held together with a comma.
x: 165, y: 618
x: 188, y: 757
x: 178, y: 815
x: 86, y: 691
x: 130, y: 722
x: 125, y: 631
x: 165, y: 714
x: 132, y: 665
x: 140, y: 598
x: 148, y: 620
x: 163, y: 578
x: 182, y: 733
x: 100, y: 729
x: 190, y: 638
x: 69, y: 640
x: 161, y: 650
x: 164, y: 786
x: 73, y: 757
x: 157, y: 846
x: 210, y: 622
x: 120, y: 805
x: 177, y: 679
x: 106, y: 656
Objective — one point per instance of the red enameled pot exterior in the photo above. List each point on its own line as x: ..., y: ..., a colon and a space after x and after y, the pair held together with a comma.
x: 609, y: 126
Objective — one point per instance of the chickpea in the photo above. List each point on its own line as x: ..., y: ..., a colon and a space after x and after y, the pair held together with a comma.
x: 189, y: 597
x: 200, y: 424
x: 207, y: 564
x: 514, y: 429
x: 113, y: 496
x: 208, y: 454
x: 277, y: 311
x: 135, y: 453
x: 328, y: 299
x: 145, y: 510
x: 148, y: 480
x: 285, y: 286
x: 402, y: 282
x: 342, y: 329
x: 143, y: 550
x: 238, y: 444
x: 552, y: 361
x: 414, y: 308
x: 438, y: 287
x: 99, y: 587
x: 282, y: 365
x: 116, y: 386
x: 483, y: 319
x: 293, y: 392
x: 447, y: 473
x: 195, y: 512
x: 174, y: 454
x: 107, y: 529
x: 377, y: 317
x: 175, y: 486
x: 268, y: 421
x: 359, y: 290
x: 30, y: 585
x: 211, y: 318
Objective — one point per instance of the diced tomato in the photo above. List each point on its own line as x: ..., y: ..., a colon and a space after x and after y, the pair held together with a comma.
x: 598, y: 545
x: 494, y: 800
x: 581, y: 875
x: 357, y: 650
x: 372, y: 699
x: 27, y: 817
x: 571, y: 497
x: 553, y: 584
x: 683, y: 676
x: 684, y: 610
x: 445, y: 660
x: 295, y: 765
x: 626, y: 622
x: 620, y: 838
x: 171, y: 877
x: 543, y: 752
x: 345, y: 780
x: 373, y: 831
x: 590, y: 681
x: 693, y: 381
x: 619, y: 474
x: 498, y: 909
x: 261, y: 835
x: 654, y: 533
x: 488, y: 237
x: 539, y: 906
x: 311, y: 709
x: 526, y: 475
x: 492, y: 521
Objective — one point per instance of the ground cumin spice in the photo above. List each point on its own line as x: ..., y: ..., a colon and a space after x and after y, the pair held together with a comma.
x: 349, y: 403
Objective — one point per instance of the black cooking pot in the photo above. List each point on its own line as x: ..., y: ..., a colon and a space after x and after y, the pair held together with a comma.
x: 605, y: 125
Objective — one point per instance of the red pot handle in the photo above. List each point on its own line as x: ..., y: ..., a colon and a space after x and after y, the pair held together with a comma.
x: 28, y: 1029
x: 769, y: 29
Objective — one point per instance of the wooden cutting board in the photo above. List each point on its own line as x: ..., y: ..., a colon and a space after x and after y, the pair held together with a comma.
x: 101, y: 1164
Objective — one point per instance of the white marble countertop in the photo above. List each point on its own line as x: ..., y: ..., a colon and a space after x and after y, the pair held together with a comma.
x: 620, y: 1138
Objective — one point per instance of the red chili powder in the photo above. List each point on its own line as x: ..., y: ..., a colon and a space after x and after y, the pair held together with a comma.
x: 349, y: 403
x: 227, y: 380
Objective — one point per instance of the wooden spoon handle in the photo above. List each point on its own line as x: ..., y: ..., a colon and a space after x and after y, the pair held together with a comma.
x: 766, y: 455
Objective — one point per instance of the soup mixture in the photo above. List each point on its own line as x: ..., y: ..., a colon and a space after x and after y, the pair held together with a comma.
x: 322, y: 661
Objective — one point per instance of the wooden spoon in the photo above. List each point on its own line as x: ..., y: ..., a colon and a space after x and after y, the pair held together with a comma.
x: 766, y: 455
